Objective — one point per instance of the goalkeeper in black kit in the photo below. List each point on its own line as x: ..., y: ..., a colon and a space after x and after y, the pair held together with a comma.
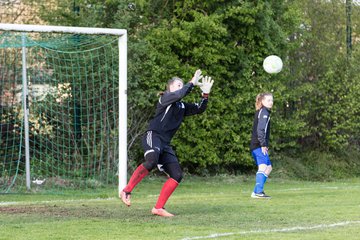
x: 170, y: 113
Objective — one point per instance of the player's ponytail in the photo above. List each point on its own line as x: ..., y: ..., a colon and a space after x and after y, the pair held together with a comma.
x: 259, y: 98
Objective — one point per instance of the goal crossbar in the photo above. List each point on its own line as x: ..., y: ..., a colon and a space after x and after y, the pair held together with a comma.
x: 61, y: 29
x: 122, y: 45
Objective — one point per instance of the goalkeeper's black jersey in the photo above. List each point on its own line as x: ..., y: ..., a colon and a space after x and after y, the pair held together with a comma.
x: 170, y: 112
x: 261, y: 129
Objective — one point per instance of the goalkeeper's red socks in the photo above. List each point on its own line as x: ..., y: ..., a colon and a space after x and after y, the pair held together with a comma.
x: 139, y: 173
x: 168, y: 188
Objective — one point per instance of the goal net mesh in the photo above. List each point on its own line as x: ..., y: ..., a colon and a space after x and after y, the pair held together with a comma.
x: 73, y: 95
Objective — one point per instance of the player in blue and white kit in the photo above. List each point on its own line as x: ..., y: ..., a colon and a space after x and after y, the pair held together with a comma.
x: 260, y: 142
x: 170, y: 113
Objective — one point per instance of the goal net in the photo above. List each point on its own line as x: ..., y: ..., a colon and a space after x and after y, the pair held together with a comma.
x: 62, y: 107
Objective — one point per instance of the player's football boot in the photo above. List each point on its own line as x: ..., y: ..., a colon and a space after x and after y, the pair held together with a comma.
x: 260, y: 195
x: 125, y: 197
x: 161, y: 212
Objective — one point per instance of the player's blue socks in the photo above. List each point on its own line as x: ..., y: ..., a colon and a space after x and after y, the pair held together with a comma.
x: 260, y: 181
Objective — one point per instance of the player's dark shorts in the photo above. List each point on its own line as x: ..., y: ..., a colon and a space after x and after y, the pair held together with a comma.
x: 152, y: 142
x: 260, y: 158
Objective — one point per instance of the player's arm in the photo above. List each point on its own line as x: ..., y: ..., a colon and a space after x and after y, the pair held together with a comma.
x: 170, y: 97
x: 261, y: 127
x: 205, y: 86
x: 196, y: 108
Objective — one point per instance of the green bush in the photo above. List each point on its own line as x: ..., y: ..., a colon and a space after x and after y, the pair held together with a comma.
x: 317, y: 166
x: 315, y: 113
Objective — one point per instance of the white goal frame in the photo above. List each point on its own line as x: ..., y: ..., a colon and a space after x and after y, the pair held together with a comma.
x: 122, y: 45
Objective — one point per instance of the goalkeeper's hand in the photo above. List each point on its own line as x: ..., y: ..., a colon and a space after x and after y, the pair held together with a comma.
x: 196, y: 78
x: 206, y: 85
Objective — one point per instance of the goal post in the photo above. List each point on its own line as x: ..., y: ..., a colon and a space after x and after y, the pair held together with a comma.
x: 69, y: 73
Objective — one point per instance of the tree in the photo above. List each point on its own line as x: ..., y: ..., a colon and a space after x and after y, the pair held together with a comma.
x: 228, y: 40
x: 320, y: 76
x: 315, y: 94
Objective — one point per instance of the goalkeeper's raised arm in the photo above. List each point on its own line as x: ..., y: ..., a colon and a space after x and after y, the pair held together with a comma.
x: 197, y: 108
x: 176, y: 90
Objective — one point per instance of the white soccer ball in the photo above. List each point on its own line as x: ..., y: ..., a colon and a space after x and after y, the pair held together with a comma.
x: 272, y: 64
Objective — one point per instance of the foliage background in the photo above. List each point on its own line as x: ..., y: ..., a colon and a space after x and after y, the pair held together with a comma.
x: 315, y: 117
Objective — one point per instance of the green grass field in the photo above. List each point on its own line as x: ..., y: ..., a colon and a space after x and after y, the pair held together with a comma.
x: 205, y: 208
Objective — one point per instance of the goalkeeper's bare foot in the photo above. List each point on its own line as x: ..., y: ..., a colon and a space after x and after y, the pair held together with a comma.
x: 125, y: 197
x: 161, y: 212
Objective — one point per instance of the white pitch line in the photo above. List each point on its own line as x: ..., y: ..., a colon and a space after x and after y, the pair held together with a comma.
x: 292, y: 229
x: 54, y: 201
